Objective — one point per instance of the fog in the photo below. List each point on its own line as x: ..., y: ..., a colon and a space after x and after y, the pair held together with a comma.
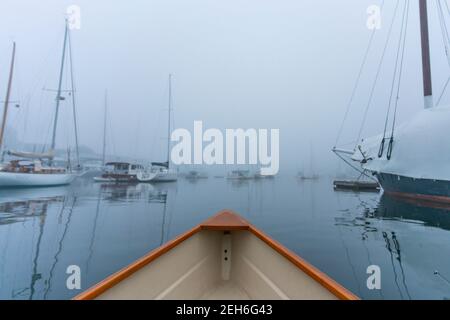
x: 288, y: 64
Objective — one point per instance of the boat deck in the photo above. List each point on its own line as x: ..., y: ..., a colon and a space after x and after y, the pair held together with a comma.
x: 226, y: 290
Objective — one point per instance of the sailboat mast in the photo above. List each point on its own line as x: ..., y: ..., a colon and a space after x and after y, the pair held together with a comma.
x: 8, y: 92
x: 426, y: 64
x: 58, y: 95
x: 74, y: 110
x: 169, y: 120
x: 104, y: 128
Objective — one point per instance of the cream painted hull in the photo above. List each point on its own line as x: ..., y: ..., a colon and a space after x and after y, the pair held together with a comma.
x: 11, y: 179
x: 219, y: 261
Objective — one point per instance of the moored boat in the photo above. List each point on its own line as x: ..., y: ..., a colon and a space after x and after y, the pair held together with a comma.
x: 239, y: 175
x: 194, y: 175
x: 162, y: 171
x: 409, y: 160
x: 31, y: 169
x: 224, y: 257
x: 120, y: 172
x: 33, y: 174
x: 158, y: 172
x: 260, y: 175
x: 302, y: 176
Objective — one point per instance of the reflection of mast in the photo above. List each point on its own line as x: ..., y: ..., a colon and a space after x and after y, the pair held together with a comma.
x: 91, y: 243
x: 347, y: 254
x: 35, y: 276
x: 388, y: 247
x: 60, y: 246
x: 163, y: 221
x: 170, y: 211
x: 399, y: 258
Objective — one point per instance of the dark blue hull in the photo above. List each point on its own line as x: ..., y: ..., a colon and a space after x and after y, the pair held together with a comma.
x: 425, y: 189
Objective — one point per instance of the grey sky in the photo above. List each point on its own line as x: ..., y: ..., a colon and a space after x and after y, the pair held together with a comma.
x: 288, y: 64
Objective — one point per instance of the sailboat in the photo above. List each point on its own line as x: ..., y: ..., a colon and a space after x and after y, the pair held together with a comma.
x: 30, y: 169
x: 161, y: 171
x: 116, y: 171
x: 412, y: 161
x: 312, y: 175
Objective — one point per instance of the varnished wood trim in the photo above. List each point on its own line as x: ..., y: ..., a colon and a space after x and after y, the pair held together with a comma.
x: 225, y: 220
x: 117, y: 277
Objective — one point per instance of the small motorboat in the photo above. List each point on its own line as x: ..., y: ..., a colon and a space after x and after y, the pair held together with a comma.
x: 240, y: 175
x: 224, y: 257
x: 120, y: 172
x: 195, y: 175
x: 159, y: 172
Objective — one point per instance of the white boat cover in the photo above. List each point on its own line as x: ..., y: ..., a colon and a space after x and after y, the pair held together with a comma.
x: 420, y: 149
x: 32, y: 155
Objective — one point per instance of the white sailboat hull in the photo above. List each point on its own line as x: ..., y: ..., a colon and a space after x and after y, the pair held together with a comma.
x: 12, y: 179
x: 165, y: 176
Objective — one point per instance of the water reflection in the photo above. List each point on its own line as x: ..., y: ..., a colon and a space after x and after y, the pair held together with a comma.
x: 103, y: 227
x: 55, y: 224
x: 12, y: 212
x: 370, y: 222
x: 413, y: 211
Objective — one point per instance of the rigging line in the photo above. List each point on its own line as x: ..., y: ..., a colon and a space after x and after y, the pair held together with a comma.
x: 448, y: 8
x: 444, y: 30
x: 394, y: 77
x: 362, y: 172
x: 358, y: 78
x: 443, y: 91
x: 378, y: 71
x: 401, y: 67
x: 445, y: 40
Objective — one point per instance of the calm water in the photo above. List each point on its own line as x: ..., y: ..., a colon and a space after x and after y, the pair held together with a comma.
x: 104, y: 227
